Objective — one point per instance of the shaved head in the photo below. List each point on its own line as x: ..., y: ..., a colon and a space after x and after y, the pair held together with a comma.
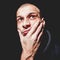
x: 29, y: 4
x: 27, y: 15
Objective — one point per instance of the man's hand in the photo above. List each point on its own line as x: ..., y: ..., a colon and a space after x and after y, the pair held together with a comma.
x: 30, y: 42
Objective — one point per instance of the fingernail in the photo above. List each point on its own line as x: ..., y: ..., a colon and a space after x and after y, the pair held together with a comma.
x: 43, y: 18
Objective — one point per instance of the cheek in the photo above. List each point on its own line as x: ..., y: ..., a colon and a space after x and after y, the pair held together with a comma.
x: 33, y: 22
x: 19, y: 26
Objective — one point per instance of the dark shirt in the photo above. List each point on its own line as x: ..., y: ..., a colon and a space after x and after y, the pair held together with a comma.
x: 48, y: 50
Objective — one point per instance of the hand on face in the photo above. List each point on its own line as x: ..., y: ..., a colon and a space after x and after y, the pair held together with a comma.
x: 30, y: 42
x: 30, y: 29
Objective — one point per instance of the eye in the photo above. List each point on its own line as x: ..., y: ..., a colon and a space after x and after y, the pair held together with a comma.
x: 32, y: 16
x: 20, y: 19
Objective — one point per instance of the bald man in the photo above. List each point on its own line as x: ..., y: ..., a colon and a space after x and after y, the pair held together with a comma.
x: 30, y: 26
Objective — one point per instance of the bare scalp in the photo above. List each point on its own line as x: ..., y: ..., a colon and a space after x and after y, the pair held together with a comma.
x: 29, y: 4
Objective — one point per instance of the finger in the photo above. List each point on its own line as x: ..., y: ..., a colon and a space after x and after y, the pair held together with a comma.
x: 43, y: 22
x: 40, y: 27
x: 20, y: 34
x: 33, y: 28
x: 35, y: 50
x: 39, y: 36
x: 36, y: 43
x: 38, y: 39
x: 38, y: 30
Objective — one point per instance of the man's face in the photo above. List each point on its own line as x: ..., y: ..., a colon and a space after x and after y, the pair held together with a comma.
x: 27, y: 16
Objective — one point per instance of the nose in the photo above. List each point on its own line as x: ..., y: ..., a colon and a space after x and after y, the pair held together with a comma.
x: 26, y: 24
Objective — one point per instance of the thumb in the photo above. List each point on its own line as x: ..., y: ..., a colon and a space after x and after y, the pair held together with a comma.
x: 20, y: 34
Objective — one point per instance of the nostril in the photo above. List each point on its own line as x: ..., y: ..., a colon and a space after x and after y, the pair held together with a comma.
x: 26, y: 26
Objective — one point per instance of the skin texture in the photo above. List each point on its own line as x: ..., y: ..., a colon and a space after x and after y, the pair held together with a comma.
x: 30, y: 28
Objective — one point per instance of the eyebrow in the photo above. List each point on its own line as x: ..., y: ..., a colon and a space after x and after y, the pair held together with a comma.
x: 19, y: 16
x: 29, y: 14
x: 32, y: 13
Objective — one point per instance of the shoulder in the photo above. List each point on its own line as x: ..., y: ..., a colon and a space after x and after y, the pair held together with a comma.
x: 49, y: 49
x: 52, y: 48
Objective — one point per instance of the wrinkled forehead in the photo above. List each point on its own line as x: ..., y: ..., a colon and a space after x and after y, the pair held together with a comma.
x: 27, y: 7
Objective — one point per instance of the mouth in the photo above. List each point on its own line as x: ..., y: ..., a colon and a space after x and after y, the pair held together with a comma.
x: 25, y: 32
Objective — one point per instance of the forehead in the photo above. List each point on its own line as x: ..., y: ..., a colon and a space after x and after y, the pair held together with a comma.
x: 27, y: 9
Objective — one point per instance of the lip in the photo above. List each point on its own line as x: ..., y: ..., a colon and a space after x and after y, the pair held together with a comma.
x: 25, y: 32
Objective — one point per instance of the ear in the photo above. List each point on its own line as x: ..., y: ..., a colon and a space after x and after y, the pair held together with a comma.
x: 43, y: 22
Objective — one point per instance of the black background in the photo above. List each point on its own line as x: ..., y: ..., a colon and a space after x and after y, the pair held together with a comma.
x: 9, y: 38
